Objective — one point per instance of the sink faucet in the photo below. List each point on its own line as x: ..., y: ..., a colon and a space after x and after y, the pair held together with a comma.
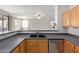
x: 37, y: 34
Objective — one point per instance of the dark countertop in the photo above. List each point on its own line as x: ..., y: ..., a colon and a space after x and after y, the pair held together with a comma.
x: 8, y: 44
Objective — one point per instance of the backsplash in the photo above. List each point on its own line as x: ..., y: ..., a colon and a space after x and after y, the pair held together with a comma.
x: 42, y: 31
x: 74, y: 31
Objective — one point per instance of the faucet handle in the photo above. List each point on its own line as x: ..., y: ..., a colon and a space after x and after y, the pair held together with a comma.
x: 37, y: 32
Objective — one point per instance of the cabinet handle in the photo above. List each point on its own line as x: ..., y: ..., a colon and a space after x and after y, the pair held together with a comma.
x: 35, y: 43
x: 38, y: 43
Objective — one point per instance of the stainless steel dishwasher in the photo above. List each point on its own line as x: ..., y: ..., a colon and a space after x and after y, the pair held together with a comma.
x: 55, y: 45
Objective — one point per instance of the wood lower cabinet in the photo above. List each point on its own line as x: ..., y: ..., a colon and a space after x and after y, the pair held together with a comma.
x: 60, y: 46
x: 76, y: 49
x: 73, y: 17
x: 22, y: 47
x: 16, y: 50
x: 42, y: 45
x: 68, y: 47
x: 31, y: 46
x: 37, y: 45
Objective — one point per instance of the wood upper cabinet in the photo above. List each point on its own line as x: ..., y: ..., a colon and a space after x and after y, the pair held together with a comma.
x: 37, y: 45
x: 68, y: 47
x: 77, y: 17
x: 76, y: 49
x: 22, y: 47
x: 73, y: 17
x: 66, y: 19
x: 16, y: 50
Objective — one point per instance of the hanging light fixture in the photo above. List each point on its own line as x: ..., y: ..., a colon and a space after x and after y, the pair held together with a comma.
x: 39, y: 15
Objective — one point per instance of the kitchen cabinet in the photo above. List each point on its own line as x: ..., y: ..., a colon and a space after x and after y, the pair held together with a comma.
x: 71, y: 18
x: 77, y: 17
x: 22, y: 47
x: 60, y: 46
x: 74, y: 17
x: 42, y: 45
x: 31, y: 46
x: 16, y: 50
x: 68, y: 47
x: 37, y: 45
x: 76, y: 49
x: 66, y: 19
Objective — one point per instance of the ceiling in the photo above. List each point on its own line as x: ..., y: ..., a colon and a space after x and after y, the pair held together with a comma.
x: 29, y: 10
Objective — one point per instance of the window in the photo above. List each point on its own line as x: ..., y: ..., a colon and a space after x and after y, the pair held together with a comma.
x: 25, y: 24
x: 5, y: 27
x: 0, y: 23
x: 3, y: 23
x: 17, y: 24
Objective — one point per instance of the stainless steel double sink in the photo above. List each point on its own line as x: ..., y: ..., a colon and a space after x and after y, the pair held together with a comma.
x: 37, y: 35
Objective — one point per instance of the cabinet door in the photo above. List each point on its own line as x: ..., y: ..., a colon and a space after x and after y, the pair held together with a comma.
x: 68, y: 47
x: 22, y: 47
x: 76, y: 17
x: 42, y: 45
x: 60, y: 46
x: 31, y: 46
x: 72, y: 17
x: 16, y: 50
x: 66, y: 19
x: 76, y: 49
